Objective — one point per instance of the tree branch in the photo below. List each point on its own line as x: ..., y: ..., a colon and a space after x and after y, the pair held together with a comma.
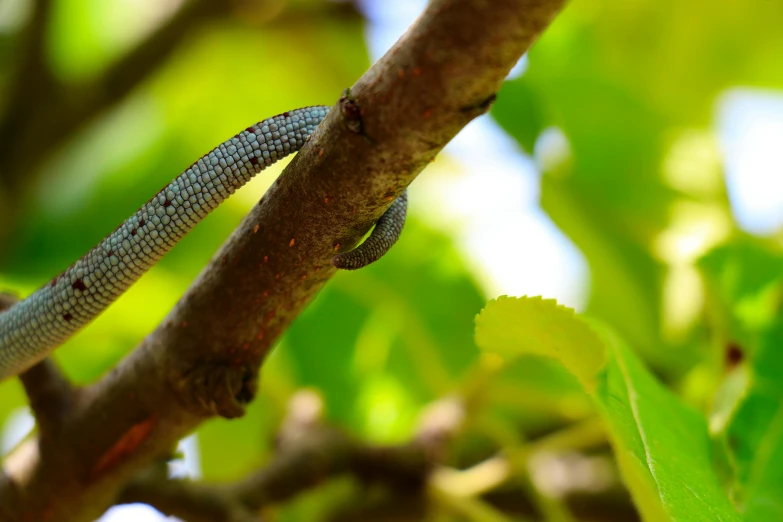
x: 49, y: 112
x: 49, y: 392
x: 42, y: 113
x: 309, y: 453
x: 51, y: 396
x: 32, y: 76
x: 204, y: 359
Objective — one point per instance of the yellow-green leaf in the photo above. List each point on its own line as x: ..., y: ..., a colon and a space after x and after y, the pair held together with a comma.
x: 662, y: 445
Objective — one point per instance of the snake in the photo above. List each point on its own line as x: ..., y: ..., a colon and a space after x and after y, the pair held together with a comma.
x: 33, y: 327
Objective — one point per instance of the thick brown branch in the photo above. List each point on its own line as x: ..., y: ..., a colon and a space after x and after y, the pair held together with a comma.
x: 204, y: 359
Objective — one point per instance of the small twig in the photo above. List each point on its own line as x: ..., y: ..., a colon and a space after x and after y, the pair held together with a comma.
x: 49, y: 392
x: 30, y: 120
x: 7, y: 300
x: 32, y: 76
x: 472, y: 508
x: 439, y: 423
x: 51, y: 396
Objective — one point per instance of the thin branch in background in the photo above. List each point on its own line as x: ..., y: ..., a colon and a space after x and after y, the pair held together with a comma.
x: 39, y: 106
x: 30, y: 81
x: 49, y: 392
x: 7, y: 300
x: 51, y: 396
x: 309, y: 453
x: 48, y: 113
x: 32, y: 78
x: 42, y: 113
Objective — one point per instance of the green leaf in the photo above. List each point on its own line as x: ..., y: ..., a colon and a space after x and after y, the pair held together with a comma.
x: 743, y: 277
x: 753, y: 435
x: 519, y: 111
x: 510, y: 326
x: 662, y: 445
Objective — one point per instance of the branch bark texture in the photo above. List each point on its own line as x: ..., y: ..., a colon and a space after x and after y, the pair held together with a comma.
x: 204, y: 359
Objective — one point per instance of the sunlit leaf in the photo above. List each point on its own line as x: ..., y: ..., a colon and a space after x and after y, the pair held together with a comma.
x: 662, y: 445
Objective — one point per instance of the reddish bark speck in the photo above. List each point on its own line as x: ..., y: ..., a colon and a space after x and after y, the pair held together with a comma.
x: 125, y: 446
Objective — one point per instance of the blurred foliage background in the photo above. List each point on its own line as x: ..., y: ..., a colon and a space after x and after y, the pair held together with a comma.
x: 612, y: 174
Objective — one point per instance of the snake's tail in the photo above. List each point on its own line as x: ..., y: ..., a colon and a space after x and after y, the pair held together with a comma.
x: 386, y: 232
x: 35, y: 326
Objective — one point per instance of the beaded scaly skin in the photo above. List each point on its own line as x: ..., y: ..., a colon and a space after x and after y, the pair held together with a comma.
x: 386, y: 232
x: 35, y: 326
